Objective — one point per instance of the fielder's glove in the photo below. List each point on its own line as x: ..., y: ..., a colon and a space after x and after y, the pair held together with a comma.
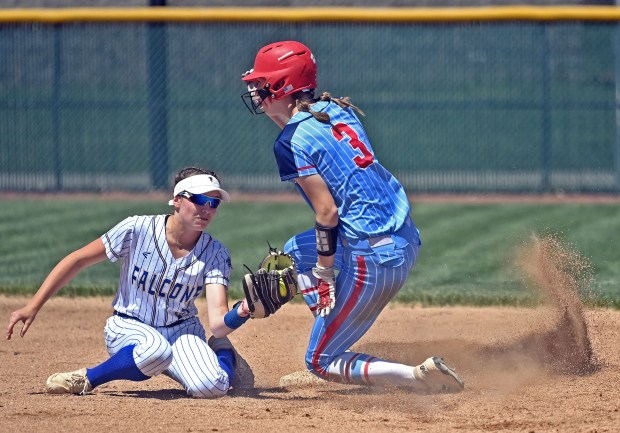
x: 272, y: 285
x: 327, y: 289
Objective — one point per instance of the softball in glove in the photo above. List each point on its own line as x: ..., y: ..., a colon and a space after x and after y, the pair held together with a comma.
x: 272, y: 285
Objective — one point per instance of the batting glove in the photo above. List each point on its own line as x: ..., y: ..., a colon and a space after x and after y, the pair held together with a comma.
x: 327, y: 289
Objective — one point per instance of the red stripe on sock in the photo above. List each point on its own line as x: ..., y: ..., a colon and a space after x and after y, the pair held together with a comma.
x: 347, y: 369
x: 366, y: 377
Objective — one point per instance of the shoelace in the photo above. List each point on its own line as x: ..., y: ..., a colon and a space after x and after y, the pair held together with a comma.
x: 78, y: 380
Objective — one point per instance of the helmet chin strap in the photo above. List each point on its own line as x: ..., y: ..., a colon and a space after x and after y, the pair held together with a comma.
x: 264, y: 93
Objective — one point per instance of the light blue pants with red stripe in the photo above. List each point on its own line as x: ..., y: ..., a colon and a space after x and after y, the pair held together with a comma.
x: 370, y: 274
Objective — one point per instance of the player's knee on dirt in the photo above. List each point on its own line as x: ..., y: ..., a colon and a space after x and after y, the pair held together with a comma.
x: 317, y: 367
x: 206, y: 388
x: 205, y: 392
x: 153, y: 359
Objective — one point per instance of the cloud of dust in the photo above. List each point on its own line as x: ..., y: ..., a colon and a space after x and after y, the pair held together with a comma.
x: 552, y: 339
x: 557, y: 272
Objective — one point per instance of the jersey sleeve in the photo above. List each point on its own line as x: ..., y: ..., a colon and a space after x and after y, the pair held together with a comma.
x: 305, y: 164
x: 220, y: 265
x: 118, y: 239
x: 293, y: 161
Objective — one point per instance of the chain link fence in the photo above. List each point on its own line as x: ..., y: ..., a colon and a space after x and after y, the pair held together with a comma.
x: 489, y: 106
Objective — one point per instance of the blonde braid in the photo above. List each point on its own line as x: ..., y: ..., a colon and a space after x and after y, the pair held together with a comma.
x: 343, y: 102
x: 303, y: 103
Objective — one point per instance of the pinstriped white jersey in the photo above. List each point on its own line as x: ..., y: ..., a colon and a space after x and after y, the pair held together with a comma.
x: 154, y: 287
x: 370, y: 200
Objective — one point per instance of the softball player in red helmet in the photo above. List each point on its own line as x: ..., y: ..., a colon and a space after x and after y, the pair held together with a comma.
x: 167, y: 262
x: 364, y: 243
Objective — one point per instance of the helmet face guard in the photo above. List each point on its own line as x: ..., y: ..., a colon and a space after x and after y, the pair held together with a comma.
x: 253, y: 98
x: 283, y: 68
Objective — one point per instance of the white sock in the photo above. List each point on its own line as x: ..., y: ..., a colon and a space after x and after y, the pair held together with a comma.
x: 361, y: 369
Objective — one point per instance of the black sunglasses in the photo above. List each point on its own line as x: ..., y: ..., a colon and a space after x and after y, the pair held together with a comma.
x: 201, y: 199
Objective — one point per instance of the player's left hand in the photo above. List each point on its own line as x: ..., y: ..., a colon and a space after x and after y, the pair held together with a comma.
x: 25, y: 315
x: 327, y: 289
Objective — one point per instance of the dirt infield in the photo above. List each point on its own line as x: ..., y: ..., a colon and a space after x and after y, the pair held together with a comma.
x: 515, y: 380
x: 555, y: 368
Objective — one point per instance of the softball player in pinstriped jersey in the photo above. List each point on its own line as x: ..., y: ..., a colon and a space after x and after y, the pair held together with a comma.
x: 167, y: 262
x: 362, y: 223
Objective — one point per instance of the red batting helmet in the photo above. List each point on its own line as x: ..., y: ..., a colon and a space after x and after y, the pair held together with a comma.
x: 286, y: 67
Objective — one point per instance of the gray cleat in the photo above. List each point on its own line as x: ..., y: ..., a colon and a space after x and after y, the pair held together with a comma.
x: 73, y: 382
x: 244, y: 377
x: 435, y: 376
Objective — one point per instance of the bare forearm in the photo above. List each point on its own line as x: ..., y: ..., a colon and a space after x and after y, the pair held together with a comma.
x: 59, y: 277
x: 217, y: 310
x: 218, y: 325
x: 326, y: 261
x: 327, y: 216
x: 66, y: 270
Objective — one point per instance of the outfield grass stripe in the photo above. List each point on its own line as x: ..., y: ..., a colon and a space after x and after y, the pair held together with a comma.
x: 470, y: 263
x: 465, y: 256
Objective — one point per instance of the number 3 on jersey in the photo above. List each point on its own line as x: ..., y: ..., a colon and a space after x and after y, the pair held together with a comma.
x: 339, y: 130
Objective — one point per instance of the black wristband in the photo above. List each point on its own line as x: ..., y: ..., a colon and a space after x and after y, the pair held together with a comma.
x: 326, y: 238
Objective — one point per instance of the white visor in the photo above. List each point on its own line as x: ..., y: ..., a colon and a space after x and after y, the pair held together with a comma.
x: 199, y: 184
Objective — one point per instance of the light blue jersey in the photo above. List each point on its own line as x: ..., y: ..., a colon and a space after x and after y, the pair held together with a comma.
x: 371, y: 201
x: 377, y: 246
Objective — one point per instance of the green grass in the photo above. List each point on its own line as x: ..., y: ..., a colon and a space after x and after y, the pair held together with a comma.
x: 466, y: 255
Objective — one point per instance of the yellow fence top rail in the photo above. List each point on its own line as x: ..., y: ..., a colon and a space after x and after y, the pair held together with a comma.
x: 326, y: 14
